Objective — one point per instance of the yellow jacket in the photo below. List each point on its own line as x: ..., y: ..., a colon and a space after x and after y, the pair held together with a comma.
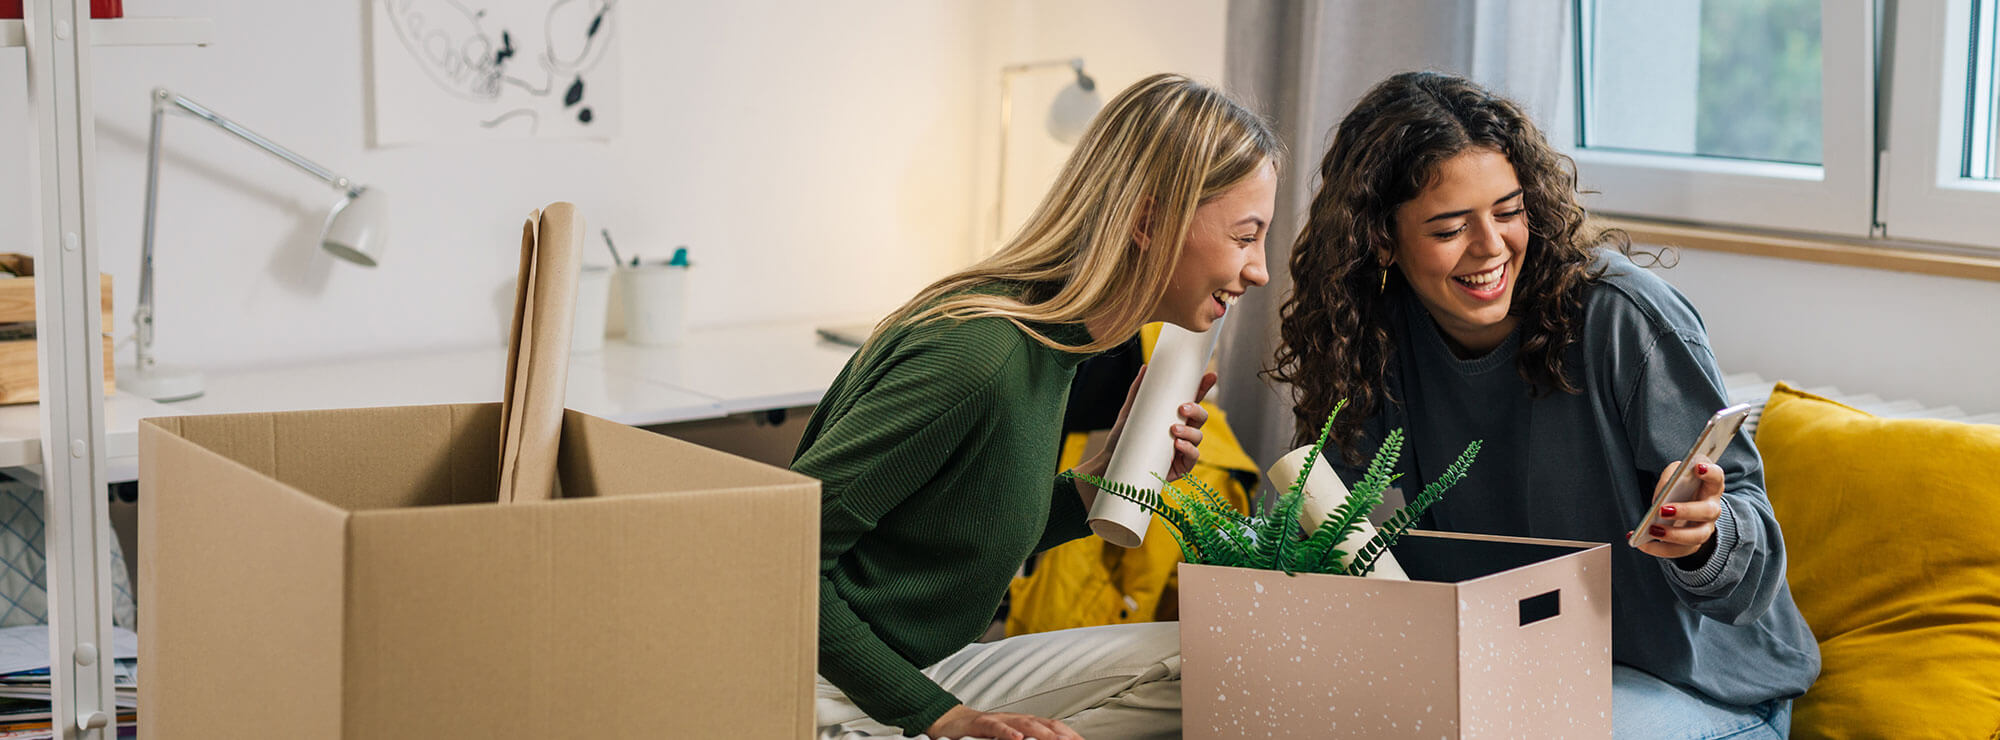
x: 1090, y: 582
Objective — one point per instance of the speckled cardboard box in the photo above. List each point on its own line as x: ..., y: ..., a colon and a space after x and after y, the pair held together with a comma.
x: 1494, y: 637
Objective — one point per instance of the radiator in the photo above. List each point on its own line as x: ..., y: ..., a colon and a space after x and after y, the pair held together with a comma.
x: 1753, y: 388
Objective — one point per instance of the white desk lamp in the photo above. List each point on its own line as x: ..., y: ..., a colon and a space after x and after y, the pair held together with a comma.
x: 356, y: 230
x: 1069, y: 117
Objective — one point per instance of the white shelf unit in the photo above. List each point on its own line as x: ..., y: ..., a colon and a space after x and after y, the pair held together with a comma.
x: 58, y: 35
x: 127, y: 32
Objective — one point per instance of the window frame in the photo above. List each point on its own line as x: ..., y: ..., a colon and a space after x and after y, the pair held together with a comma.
x: 1923, y: 198
x: 1835, y: 197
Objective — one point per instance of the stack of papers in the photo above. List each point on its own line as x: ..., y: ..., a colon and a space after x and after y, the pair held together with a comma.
x: 24, y: 682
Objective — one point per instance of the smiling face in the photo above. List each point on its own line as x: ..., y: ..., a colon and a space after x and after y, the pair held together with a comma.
x: 1460, y: 244
x: 1223, y: 255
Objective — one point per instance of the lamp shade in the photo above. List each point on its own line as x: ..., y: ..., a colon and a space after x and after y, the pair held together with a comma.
x: 1071, y: 111
x: 357, y: 228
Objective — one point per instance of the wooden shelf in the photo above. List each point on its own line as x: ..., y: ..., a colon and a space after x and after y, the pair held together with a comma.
x: 128, y: 32
x: 20, y: 372
x: 1877, y: 254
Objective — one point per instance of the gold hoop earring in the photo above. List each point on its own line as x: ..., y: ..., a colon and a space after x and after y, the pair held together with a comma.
x: 1385, y: 281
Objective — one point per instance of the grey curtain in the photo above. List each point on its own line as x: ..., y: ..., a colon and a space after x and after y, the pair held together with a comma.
x: 1303, y: 64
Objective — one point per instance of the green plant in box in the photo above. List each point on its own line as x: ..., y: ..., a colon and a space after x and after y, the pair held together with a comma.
x: 1211, y: 532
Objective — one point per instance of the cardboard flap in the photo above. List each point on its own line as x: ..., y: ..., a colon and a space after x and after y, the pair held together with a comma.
x: 539, y: 369
x: 504, y: 621
x: 516, y: 383
x: 358, y: 459
x: 237, y: 572
x: 1453, y: 557
x: 605, y: 458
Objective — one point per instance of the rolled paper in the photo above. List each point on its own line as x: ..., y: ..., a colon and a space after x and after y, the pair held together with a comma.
x: 1323, y: 493
x: 1146, y: 448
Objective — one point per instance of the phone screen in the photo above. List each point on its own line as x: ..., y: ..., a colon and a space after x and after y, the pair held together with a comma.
x: 1683, y: 486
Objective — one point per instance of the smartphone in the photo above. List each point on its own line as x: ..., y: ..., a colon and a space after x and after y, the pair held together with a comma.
x: 1683, y: 485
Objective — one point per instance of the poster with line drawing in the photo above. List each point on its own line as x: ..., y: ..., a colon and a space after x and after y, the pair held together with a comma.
x: 493, y: 69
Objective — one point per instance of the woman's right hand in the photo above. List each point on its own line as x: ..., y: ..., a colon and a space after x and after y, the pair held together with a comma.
x: 965, y: 722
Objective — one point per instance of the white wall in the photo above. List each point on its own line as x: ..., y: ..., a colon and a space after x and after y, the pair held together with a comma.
x: 822, y: 160
x: 1896, y: 335
x: 816, y: 157
x: 1120, y: 42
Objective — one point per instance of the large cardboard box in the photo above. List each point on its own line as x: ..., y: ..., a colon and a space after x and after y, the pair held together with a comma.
x: 1493, y: 637
x: 347, y: 574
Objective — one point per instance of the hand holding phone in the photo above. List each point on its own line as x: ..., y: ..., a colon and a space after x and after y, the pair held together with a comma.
x: 1683, y: 485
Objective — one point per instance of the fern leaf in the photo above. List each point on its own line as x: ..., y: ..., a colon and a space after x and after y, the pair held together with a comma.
x: 1146, y: 499
x: 1406, y: 517
x: 1381, y: 468
x: 1278, y: 538
x: 1340, y: 523
x: 1208, y: 495
x: 1229, y: 543
x: 1188, y: 553
x: 1207, y: 542
x: 1325, y: 431
x: 1227, y: 534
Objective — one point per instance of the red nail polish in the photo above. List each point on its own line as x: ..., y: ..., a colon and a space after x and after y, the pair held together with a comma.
x: 1701, y: 469
x: 1666, y: 511
x: 1657, y: 531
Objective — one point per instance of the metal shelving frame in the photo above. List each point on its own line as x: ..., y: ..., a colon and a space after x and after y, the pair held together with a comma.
x: 58, y: 35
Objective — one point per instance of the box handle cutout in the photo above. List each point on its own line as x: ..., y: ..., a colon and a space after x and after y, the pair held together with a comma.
x: 1537, y: 608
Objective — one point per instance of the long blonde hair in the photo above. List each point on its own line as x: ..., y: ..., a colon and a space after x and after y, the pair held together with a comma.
x: 1156, y: 152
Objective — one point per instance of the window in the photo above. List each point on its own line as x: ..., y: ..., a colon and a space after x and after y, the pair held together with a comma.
x: 1736, y: 80
x: 1940, y: 182
x: 1982, y: 153
x: 1764, y: 114
x: 1742, y: 112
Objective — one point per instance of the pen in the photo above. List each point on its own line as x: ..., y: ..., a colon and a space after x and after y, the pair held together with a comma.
x: 615, y: 259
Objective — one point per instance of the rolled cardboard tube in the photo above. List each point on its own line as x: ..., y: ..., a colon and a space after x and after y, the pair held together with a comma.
x: 1146, y: 448
x: 1323, y: 493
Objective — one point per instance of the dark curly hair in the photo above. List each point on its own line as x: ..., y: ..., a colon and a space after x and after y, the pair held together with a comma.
x: 1335, y: 327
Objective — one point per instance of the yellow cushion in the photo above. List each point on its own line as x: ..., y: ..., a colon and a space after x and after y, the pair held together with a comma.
x: 1893, y: 531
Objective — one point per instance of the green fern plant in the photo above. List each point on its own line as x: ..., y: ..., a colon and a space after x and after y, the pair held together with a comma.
x: 1211, y: 532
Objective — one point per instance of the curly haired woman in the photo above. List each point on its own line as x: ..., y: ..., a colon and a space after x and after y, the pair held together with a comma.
x: 1446, y: 283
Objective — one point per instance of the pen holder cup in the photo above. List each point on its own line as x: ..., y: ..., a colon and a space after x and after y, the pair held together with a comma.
x: 593, y: 296
x: 655, y: 304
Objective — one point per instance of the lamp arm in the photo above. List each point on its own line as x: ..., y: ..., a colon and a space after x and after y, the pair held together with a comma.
x: 1075, y: 63
x: 142, y: 317
x: 1007, y: 74
x: 165, y: 100
x: 163, y: 97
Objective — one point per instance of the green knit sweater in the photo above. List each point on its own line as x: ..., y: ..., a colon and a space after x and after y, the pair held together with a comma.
x: 937, y: 450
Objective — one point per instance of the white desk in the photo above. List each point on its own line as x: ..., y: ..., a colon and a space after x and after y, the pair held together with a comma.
x: 746, y: 368
x: 21, y: 433
x: 449, y: 376
x: 714, y: 373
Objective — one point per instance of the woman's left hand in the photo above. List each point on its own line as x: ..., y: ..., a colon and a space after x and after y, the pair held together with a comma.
x: 1186, y: 435
x: 1696, y: 517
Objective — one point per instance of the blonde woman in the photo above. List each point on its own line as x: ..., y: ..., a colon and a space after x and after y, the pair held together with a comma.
x: 937, y: 444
